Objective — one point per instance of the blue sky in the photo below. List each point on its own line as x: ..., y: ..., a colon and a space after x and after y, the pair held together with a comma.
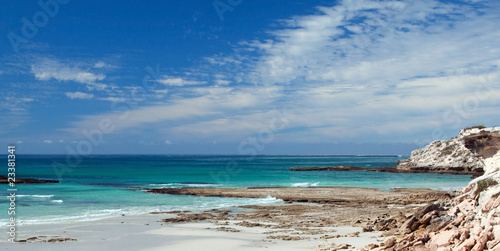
x: 245, y: 77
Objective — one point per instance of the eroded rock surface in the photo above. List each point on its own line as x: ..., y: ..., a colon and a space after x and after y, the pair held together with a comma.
x: 470, y: 221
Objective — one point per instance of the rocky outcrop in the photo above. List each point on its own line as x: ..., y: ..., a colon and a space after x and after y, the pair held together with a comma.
x: 469, y: 153
x: 323, y: 195
x: 465, y: 154
x: 44, y: 239
x: 471, y: 221
x: 394, y: 169
x: 4, y: 180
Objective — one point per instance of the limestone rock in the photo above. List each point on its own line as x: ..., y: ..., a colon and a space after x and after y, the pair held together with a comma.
x: 470, y: 221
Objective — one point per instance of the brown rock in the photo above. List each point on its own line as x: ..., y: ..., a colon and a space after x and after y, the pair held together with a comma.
x: 227, y: 229
x: 466, y: 245
x: 497, y: 203
x: 371, y: 246
x: 330, y: 236
x: 465, y: 235
x: 458, y: 220
x: 442, y: 239
x: 355, y: 234
x: 61, y: 239
x: 390, y: 242
x: 466, y: 206
x: 409, y: 226
x: 192, y: 218
x: 424, y: 238
x: 481, y: 242
x: 368, y: 229
x: 286, y: 237
x: 417, y: 243
x: 494, y: 245
x: 426, y: 209
x: 436, y: 225
x: 426, y: 219
x: 343, y: 246
x: 488, y: 204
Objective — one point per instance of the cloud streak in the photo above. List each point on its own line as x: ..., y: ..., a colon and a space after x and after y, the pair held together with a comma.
x: 79, y: 95
x: 177, y: 81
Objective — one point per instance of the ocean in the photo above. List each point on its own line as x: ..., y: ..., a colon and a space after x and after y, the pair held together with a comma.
x: 110, y: 185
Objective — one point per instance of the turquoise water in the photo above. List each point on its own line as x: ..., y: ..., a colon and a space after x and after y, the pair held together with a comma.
x: 109, y: 185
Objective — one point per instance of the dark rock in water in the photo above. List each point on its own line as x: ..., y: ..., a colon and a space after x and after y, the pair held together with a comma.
x: 398, y: 169
x: 44, y: 239
x: 4, y: 180
x: 61, y: 239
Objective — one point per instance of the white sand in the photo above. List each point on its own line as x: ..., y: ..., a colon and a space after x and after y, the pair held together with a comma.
x: 144, y: 232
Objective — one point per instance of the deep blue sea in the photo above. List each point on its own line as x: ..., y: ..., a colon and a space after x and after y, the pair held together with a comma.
x: 108, y: 185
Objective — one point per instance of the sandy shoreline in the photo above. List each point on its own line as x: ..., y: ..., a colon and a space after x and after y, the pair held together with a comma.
x: 339, y: 215
x: 146, y: 233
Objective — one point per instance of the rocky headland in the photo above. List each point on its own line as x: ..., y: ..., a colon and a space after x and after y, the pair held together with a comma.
x: 468, y: 154
x: 465, y: 154
x: 471, y: 220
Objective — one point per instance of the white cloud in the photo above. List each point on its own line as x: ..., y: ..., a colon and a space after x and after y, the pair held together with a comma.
x: 161, y: 91
x: 168, y: 142
x: 177, y: 81
x: 47, y: 141
x: 379, y: 73
x: 113, y: 99
x: 237, y: 126
x: 218, y: 60
x: 100, y: 64
x: 209, y: 101
x: 45, y: 69
x: 317, y: 47
x: 79, y: 95
x: 355, y: 71
x: 222, y: 82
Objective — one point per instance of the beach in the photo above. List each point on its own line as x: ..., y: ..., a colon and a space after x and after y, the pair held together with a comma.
x: 250, y: 125
x: 321, y: 222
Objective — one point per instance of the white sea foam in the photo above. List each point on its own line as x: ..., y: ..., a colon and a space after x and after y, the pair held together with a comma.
x: 83, y: 217
x: 305, y: 184
x: 269, y: 199
x: 177, y: 185
x: 101, y: 214
x: 35, y: 195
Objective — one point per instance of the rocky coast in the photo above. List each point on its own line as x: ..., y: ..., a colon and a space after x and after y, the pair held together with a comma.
x: 406, y: 219
x: 471, y: 220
